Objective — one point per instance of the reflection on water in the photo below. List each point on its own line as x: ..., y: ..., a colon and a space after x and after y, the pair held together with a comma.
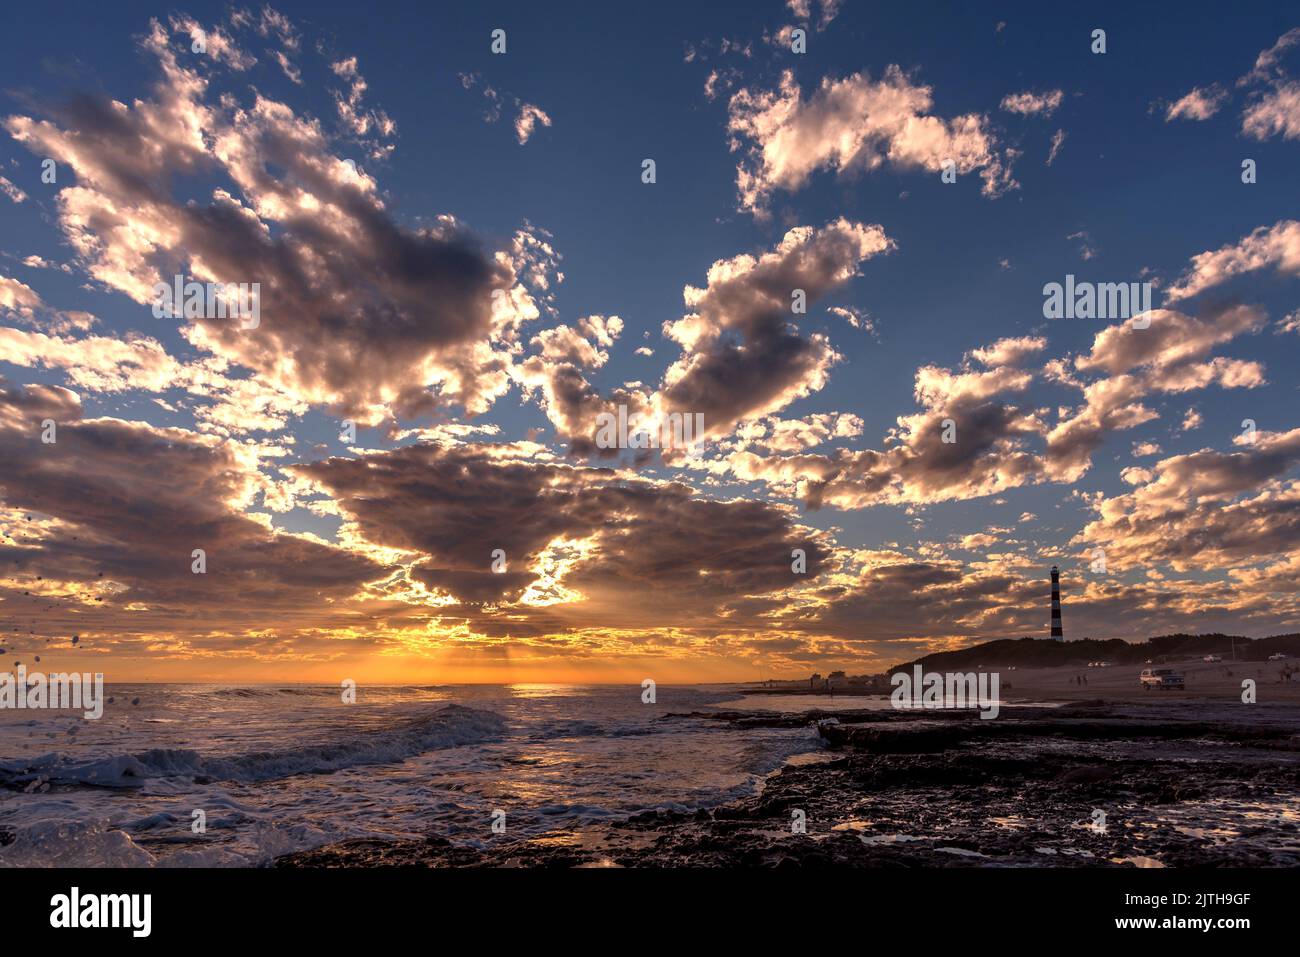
x: 1012, y: 822
x: 283, y: 768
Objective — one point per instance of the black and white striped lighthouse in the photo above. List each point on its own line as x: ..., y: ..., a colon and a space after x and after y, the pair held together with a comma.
x: 1057, y: 633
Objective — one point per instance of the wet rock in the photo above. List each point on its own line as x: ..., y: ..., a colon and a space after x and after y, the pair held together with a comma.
x: 951, y: 790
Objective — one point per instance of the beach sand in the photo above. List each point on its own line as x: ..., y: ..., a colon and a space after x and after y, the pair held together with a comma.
x: 1205, y: 681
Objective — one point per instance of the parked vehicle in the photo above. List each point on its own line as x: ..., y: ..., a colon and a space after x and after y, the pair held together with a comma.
x: 1209, y: 659
x: 1162, y: 678
x: 1278, y: 657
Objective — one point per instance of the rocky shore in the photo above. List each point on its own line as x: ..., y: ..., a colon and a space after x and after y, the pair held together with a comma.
x: 1173, y: 784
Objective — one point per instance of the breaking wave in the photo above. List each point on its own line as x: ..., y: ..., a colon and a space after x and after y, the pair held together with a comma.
x: 447, y: 727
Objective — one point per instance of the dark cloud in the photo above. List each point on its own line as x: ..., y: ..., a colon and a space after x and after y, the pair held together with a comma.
x: 966, y: 442
x: 112, y: 511
x: 640, y: 551
x: 1206, y: 509
x: 743, y: 354
x: 357, y: 312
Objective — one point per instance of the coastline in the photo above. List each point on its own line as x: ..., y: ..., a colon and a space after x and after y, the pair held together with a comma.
x: 1194, y: 780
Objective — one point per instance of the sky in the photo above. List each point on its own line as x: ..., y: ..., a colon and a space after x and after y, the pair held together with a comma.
x: 827, y: 232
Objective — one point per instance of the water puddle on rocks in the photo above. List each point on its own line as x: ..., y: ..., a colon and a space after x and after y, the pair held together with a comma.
x: 960, y: 852
x: 890, y: 838
x: 1137, y: 861
x: 1063, y: 851
x: 1273, y: 824
x: 1012, y: 822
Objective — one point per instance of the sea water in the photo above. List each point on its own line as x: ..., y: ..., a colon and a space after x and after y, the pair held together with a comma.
x: 276, y: 769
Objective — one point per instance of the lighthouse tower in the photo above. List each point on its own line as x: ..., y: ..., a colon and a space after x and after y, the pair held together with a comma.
x: 1057, y: 633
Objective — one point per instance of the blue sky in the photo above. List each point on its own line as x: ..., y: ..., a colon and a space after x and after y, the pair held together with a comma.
x: 1132, y: 193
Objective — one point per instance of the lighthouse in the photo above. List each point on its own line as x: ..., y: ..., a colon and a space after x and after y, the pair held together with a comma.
x: 1057, y: 633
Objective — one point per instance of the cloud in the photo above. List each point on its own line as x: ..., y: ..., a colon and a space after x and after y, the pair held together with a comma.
x: 1058, y: 140
x: 555, y: 375
x: 376, y: 315
x: 97, y: 363
x: 1267, y: 247
x: 964, y: 443
x: 802, y: 10
x: 850, y: 125
x: 968, y: 442
x: 493, y: 112
x: 273, y: 22
x: 359, y: 314
x: 216, y: 43
x: 1172, y: 340
x: 773, y: 434
x: 1266, y: 64
x: 1086, y: 249
x: 113, y: 512
x: 582, y: 345
x: 15, y: 194
x: 1276, y: 113
x: 1011, y: 351
x: 528, y: 116
x: 1200, y: 104
x: 1029, y: 103
x: 24, y: 305
x: 291, y: 71
x: 1206, y: 509
x: 1169, y: 356
x: 854, y: 317
x: 742, y: 354
x: 528, y: 119
x: 110, y: 364
x: 18, y: 297
x: 582, y: 543
x: 353, y: 114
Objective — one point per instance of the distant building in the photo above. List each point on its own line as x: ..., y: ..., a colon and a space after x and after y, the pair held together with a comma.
x: 836, y: 675
x: 1057, y: 633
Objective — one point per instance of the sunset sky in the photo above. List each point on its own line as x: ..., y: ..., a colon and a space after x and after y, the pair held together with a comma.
x: 457, y: 253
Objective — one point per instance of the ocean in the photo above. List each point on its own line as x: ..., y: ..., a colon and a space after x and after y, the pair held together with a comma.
x: 278, y: 769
